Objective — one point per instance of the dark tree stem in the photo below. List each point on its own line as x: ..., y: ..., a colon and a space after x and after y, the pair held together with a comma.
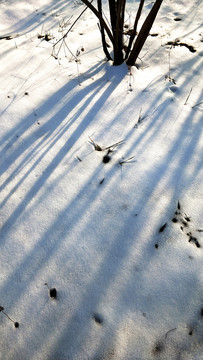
x: 132, y: 37
x: 99, y: 16
x: 118, y: 44
x: 115, y: 30
x: 106, y: 52
x: 143, y: 34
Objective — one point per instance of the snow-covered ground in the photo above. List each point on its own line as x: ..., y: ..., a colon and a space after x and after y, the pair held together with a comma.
x: 121, y: 241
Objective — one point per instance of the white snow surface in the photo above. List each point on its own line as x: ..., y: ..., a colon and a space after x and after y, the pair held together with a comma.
x: 89, y: 229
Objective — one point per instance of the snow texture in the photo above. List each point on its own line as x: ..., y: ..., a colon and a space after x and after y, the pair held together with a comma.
x: 119, y: 238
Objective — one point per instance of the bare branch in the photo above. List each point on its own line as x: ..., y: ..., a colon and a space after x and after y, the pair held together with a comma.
x: 99, y: 16
x: 139, y: 11
x: 101, y: 28
x: 65, y: 35
x: 144, y: 32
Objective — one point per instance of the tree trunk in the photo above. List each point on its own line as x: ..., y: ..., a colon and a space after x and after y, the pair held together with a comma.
x: 118, y: 44
x: 132, y: 37
x: 106, y: 52
x: 144, y: 32
x: 115, y: 30
x: 99, y: 16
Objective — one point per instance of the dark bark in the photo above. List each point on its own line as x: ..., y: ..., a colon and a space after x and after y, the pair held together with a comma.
x: 144, y: 32
x: 115, y: 30
x: 132, y: 37
x: 106, y: 52
x: 118, y: 44
x: 99, y: 16
x: 113, y: 12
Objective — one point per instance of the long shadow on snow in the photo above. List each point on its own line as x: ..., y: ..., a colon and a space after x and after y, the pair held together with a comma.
x: 31, y: 22
x: 27, y: 264
x: 91, y: 299
x: 179, y: 171
x: 122, y: 248
x: 48, y: 131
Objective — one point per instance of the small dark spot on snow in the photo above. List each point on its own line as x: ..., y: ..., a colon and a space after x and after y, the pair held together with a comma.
x: 106, y: 159
x: 173, y: 88
x: 194, y: 241
x: 79, y: 159
x: 98, y: 319
x: 26, y: 93
x: 177, y: 19
x: 162, y: 227
x: 157, y: 348
x: 156, y: 246
x: 174, y: 220
x: 102, y: 180
x: 154, y: 35
x: 53, y: 293
x: 47, y: 37
x: 16, y: 324
x: 191, y: 48
x: 201, y: 312
x: 190, y: 332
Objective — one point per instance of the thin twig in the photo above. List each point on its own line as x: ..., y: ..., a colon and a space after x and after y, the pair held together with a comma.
x: 78, y: 72
x: 169, y: 332
x: 139, y: 118
x: 65, y: 35
x: 127, y: 161
x: 99, y: 16
x: 114, y: 145
x: 7, y: 316
x: 188, y: 96
x: 96, y: 146
x: 99, y: 148
x: 169, y: 63
x: 197, y: 104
